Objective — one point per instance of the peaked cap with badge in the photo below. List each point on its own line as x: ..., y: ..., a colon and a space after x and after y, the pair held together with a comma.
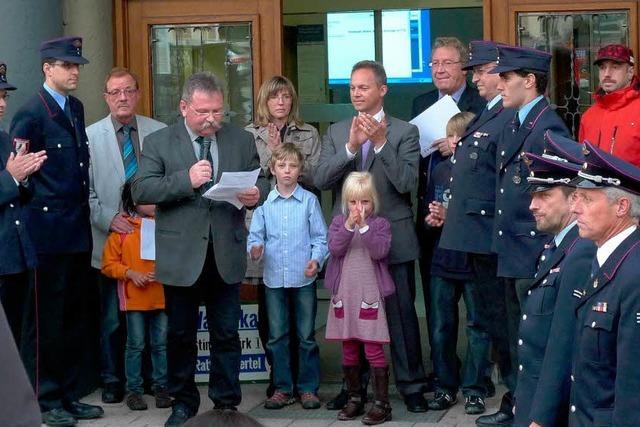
x: 601, y: 169
x: 4, y: 84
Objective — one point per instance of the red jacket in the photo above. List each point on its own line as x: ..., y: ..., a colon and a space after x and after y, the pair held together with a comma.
x: 613, y: 123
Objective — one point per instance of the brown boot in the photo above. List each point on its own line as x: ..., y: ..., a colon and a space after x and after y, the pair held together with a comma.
x: 380, y: 410
x: 355, y: 405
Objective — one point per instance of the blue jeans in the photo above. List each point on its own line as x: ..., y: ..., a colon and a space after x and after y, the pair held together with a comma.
x: 304, y: 304
x: 443, y: 328
x: 138, y: 324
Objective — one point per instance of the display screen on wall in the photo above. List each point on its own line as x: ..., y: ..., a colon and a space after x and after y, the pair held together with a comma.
x: 406, y: 45
x: 350, y: 38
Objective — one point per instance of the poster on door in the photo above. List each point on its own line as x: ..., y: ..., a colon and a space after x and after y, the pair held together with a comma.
x: 253, y: 363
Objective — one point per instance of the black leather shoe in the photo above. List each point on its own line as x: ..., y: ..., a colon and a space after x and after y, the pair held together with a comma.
x: 442, y: 401
x: 416, y: 402
x: 491, y: 388
x: 58, y: 417
x: 501, y: 419
x: 112, y: 393
x: 82, y: 411
x: 179, y: 415
x: 339, y: 401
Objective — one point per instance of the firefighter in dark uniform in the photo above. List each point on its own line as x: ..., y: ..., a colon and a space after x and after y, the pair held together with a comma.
x: 469, y: 223
x: 564, y: 264
x: 606, y: 358
x: 17, y: 254
x: 57, y: 218
x: 516, y: 241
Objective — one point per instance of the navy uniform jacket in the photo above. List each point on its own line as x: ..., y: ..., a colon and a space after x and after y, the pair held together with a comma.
x: 469, y: 224
x: 606, y: 358
x: 58, y: 213
x: 557, y: 276
x: 471, y: 101
x: 16, y: 251
x: 516, y: 240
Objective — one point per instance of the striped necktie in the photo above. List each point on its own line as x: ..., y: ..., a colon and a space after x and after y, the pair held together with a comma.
x: 128, y: 154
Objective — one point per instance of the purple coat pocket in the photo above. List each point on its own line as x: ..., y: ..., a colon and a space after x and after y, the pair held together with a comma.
x: 338, y: 308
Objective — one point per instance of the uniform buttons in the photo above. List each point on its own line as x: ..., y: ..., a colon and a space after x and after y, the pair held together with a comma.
x: 46, y: 209
x: 595, y: 284
x: 524, y: 317
x: 502, y: 153
x: 520, y: 368
x: 573, y: 379
x: 533, y: 233
x: 451, y: 179
x: 502, y: 191
x: 460, y: 144
x: 520, y: 342
x: 483, y: 212
x: 450, y: 196
x: 81, y: 164
x: 59, y: 145
x: 593, y: 324
x: 84, y: 182
x: 499, y: 232
x: 475, y: 143
x: 10, y: 205
x: 543, y: 257
x: 17, y: 222
x: 499, y: 211
x: 544, y: 281
x: 529, y: 292
x: 573, y: 408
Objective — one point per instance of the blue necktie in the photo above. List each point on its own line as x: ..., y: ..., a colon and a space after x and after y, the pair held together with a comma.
x: 365, y: 151
x: 595, y: 267
x: 67, y: 110
x: 128, y: 154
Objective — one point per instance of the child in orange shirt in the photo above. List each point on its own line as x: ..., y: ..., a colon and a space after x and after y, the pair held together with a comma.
x: 142, y: 298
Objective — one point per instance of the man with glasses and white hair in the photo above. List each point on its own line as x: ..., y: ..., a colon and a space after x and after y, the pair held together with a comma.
x: 606, y: 374
x: 115, y: 144
x: 200, y: 244
x: 448, y: 59
x: 58, y: 223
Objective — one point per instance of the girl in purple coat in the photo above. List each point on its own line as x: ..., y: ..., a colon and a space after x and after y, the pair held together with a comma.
x: 359, y: 280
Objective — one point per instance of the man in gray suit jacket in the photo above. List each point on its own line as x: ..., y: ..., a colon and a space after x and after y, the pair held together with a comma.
x: 110, y: 142
x: 200, y: 244
x: 388, y: 148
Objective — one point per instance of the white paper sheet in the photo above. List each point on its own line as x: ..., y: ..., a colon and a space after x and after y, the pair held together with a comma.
x: 230, y: 184
x: 432, y: 123
x: 148, y: 239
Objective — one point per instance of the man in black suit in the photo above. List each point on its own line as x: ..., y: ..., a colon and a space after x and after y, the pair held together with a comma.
x: 516, y: 240
x: 469, y: 224
x: 563, y: 266
x: 448, y: 58
x: 58, y: 224
x: 17, y: 254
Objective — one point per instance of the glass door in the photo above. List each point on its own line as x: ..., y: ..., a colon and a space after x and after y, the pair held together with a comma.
x: 573, y: 38
x: 177, y: 51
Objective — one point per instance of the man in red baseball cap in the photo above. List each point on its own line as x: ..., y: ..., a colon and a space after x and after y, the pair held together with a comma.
x: 612, y: 122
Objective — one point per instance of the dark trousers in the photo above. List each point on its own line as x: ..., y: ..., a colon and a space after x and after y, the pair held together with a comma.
x: 13, y: 293
x: 112, y: 332
x: 263, y: 332
x: 406, y: 350
x: 222, y: 302
x: 54, y: 331
x: 443, y: 329
x: 502, y: 310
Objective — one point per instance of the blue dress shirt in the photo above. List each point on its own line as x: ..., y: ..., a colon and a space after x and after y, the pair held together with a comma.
x: 292, y: 231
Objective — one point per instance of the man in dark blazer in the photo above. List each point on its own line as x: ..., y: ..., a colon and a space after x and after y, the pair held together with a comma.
x: 448, y: 59
x: 17, y: 254
x: 605, y: 375
x: 564, y: 265
x: 388, y: 148
x: 516, y: 241
x: 200, y: 244
x: 58, y: 224
x: 469, y: 224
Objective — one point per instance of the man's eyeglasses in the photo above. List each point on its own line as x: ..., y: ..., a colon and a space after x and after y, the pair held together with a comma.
x: 205, y: 113
x: 445, y: 64
x: 129, y: 92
